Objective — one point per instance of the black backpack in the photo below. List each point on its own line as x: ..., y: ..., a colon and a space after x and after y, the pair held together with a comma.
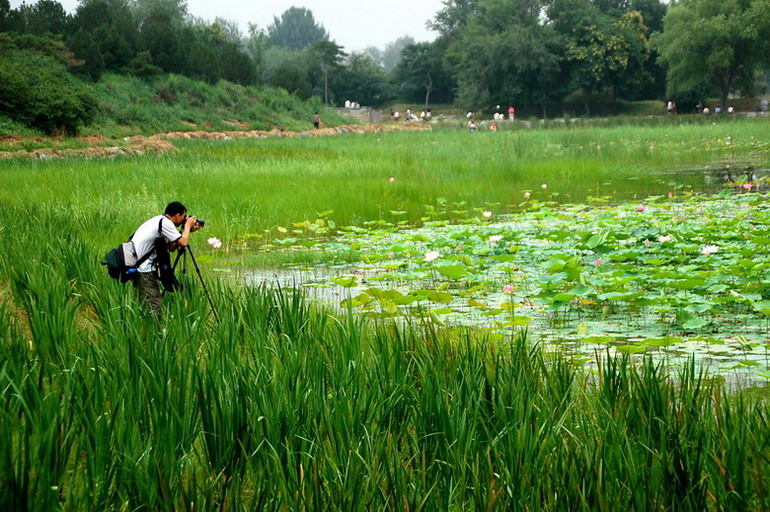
x: 122, y: 262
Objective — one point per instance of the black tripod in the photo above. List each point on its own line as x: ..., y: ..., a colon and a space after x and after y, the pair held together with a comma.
x: 182, y: 253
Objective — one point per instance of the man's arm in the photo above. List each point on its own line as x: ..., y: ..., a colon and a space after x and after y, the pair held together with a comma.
x: 183, y: 241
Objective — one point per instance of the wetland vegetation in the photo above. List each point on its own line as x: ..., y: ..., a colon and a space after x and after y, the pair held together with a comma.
x: 627, y: 239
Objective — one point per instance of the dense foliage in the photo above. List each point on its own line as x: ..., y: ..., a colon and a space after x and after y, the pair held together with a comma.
x: 715, y: 44
x: 534, y: 54
x: 37, y: 90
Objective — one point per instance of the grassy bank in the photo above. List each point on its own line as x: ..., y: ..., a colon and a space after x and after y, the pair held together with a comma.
x: 166, y: 103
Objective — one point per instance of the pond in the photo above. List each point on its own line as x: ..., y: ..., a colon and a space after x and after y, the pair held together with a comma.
x: 679, y: 275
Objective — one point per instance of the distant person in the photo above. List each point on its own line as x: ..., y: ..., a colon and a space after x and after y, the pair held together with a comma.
x: 423, y: 116
x: 670, y: 107
x: 472, y: 126
x: 493, y: 127
x: 718, y: 109
x: 396, y: 116
x: 347, y: 104
x: 731, y: 110
x: 316, y: 120
x: 428, y: 113
x: 511, y: 113
x: 763, y: 105
x: 706, y: 111
x: 469, y: 115
x: 408, y: 115
x: 699, y: 107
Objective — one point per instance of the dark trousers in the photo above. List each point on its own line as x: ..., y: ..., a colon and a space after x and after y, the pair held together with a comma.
x: 147, y: 285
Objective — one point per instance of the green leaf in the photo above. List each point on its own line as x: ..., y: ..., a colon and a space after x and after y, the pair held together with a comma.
x: 763, y: 307
x: 581, y: 289
x: 439, y: 297
x: 345, y: 281
x: 597, y: 339
x: 665, y: 341
x: 452, y: 271
x: 695, y: 323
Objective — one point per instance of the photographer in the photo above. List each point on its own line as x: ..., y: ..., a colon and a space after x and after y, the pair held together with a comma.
x: 159, y: 236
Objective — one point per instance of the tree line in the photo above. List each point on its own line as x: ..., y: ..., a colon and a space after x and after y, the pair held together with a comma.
x: 523, y: 52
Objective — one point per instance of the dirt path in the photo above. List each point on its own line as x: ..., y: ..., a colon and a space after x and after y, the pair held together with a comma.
x: 160, y: 143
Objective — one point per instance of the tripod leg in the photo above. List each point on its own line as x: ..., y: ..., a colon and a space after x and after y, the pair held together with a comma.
x: 203, y: 283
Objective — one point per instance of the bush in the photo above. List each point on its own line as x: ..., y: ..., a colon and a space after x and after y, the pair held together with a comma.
x: 37, y: 91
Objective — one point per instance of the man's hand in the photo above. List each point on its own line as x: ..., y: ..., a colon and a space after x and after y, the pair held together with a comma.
x: 192, y: 224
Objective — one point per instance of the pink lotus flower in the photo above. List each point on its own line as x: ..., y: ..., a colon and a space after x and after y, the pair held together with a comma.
x: 598, y: 262
x: 214, y: 242
x: 670, y: 195
x: 664, y: 239
x: 508, y: 288
x: 709, y: 249
x: 640, y: 208
x: 526, y: 195
x: 495, y: 238
x: 647, y: 241
x: 747, y: 186
x: 392, y: 179
x: 487, y: 214
x: 431, y: 255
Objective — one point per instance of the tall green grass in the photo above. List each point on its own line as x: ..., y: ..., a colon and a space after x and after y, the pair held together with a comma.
x: 286, y: 406
x: 245, y: 187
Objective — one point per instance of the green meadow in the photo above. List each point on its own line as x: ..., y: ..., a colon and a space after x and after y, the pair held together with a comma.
x: 386, y: 396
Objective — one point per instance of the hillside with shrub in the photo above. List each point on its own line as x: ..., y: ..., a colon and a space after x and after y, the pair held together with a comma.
x: 40, y: 95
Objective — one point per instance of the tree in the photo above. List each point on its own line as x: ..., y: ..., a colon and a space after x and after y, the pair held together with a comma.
x: 211, y: 55
x: 296, y: 29
x: 363, y: 81
x: 165, y: 42
x: 716, y: 43
x: 454, y: 16
x: 257, y: 46
x: 421, y: 75
x: 46, y: 16
x: 104, y: 34
x: 501, y: 51
x: 324, y: 64
x: 11, y: 20
x: 174, y: 10
x: 605, y: 54
x: 391, y: 55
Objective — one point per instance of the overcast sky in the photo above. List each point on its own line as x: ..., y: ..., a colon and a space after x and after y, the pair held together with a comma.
x: 355, y: 24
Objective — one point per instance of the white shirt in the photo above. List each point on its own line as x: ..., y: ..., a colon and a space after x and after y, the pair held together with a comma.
x: 144, y: 239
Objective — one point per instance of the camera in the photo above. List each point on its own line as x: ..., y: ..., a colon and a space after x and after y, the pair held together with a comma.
x: 200, y: 223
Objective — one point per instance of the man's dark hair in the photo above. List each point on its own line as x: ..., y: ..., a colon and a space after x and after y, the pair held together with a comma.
x: 175, y: 207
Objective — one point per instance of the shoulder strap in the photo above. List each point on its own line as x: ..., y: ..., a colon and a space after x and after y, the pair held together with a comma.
x: 152, y: 249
